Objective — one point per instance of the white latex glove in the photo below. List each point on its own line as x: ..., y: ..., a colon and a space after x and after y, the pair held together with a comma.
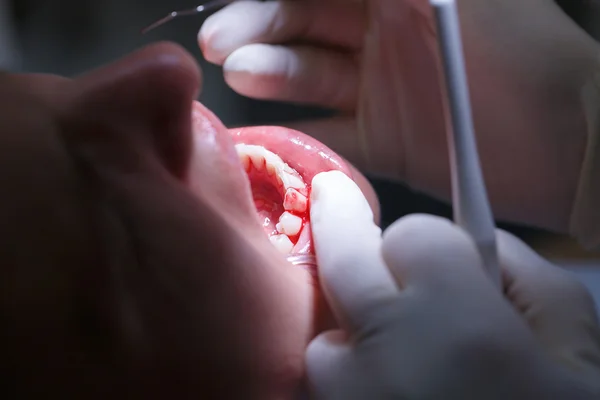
x: 375, y: 60
x: 423, y: 321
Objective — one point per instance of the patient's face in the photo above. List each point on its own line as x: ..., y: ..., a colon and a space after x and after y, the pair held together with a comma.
x: 143, y: 252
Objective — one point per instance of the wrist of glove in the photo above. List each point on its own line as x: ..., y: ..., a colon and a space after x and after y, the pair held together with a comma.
x: 421, y: 320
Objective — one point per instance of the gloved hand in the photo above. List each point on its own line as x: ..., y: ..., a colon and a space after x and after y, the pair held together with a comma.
x: 376, y: 62
x: 422, y: 320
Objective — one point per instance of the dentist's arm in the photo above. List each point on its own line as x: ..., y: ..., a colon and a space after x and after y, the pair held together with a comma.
x: 421, y: 319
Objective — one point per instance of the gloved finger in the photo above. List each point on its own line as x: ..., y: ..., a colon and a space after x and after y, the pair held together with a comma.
x: 353, y: 275
x: 557, y: 307
x: 330, y: 24
x: 327, y: 360
x: 433, y: 254
x: 296, y: 74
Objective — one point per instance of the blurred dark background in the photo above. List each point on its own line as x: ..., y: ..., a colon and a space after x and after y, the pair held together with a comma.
x: 67, y: 37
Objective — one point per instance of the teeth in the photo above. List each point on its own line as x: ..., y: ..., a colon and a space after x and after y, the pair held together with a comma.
x: 295, y: 201
x: 290, y: 181
x: 259, y: 156
x: 282, y: 243
x: 289, y: 224
x: 257, y: 161
x: 245, y: 162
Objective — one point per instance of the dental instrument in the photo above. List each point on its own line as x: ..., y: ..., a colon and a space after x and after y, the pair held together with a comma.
x: 208, y: 6
x: 471, y: 206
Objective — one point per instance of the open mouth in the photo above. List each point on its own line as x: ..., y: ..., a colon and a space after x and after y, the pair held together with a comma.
x: 280, y: 164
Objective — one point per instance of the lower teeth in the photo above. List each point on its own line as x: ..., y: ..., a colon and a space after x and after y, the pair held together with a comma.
x: 282, y: 243
x: 289, y: 224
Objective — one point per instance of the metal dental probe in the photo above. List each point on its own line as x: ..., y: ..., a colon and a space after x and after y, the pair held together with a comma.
x: 472, y: 210
x: 208, y: 6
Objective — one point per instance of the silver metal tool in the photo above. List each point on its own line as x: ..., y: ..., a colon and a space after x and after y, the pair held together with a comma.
x: 469, y: 198
x: 208, y: 6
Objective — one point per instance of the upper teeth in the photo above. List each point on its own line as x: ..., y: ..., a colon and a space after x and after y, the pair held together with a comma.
x: 260, y: 156
x: 294, y: 197
x: 294, y: 201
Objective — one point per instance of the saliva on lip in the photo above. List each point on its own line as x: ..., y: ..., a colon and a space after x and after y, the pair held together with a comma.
x: 280, y: 194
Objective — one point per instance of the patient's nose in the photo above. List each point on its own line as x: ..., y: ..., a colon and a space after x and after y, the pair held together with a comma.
x: 141, y: 102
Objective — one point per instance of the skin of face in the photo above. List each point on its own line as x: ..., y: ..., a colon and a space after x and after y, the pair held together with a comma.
x: 119, y: 277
